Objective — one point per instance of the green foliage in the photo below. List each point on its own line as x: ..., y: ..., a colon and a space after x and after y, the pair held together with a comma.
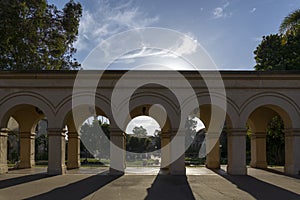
x: 281, y: 51
x: 291, y: 24
x: 92, y: 137
x: 275, y: 142
x: 137, y: 144
x: 139, y: 131
x: 41, y: 147
x: 38, y: 36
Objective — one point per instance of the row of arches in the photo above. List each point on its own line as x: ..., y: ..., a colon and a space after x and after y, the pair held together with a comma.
x: 255, y: 113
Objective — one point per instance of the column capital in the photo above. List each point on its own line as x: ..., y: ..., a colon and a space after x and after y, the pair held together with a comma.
x: 177, y: 132
x: 56, y: 132
x: 212, y: 134
x: 27, y: 134
x: 291, y: 132
x: 259, y: 134
x: 73, y: 134
x: 237, y: 132
x: 117, y: 132
x: 4, y: 132
x: 165, y: 134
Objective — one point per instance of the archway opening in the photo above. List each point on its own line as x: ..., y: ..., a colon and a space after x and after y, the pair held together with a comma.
x: 13, y: 143
x: 41, y: 143
x: 143, y: 142
x: 22, y: 123
x: 266, y: 132
x: 212, y: 136
x: 194, y: 139
x: 95, y: 144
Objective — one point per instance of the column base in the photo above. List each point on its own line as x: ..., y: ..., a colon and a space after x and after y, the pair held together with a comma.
x: 291, y: 169
x: 57, y: 171
x: 24, y: 165
x: 74, y: 165
x: 178, y: 171
x: 213, y: 165
x: 3, y: 169
x: 259, y: 165
x: 113, y: 171
x: 236, y: 170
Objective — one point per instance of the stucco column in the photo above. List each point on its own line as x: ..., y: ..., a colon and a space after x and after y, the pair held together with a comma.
x: 213, y: 150
x: 178, y: 152
x: 3, y: 150
x: 27, y: 149
x: 292, y: 151
x: 258, y: 150
x: 237, y: 152
x: 73, y: 150
x: 117, y: 151
x: 56, y: 151
x: 165, y: 139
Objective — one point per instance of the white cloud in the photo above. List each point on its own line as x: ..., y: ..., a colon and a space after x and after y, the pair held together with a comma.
x: 252, y: 10
x: 105, y: 19
x: 219, y: 12
x: 184, y: 46
x: 187, y: 45
x: 147, y: 122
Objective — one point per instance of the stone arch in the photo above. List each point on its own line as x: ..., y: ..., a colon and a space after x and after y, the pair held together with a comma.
x: 11, y: 103
x: 257, y: 112
x: 27, y: 108
x: 275, y: 102
x: 140, y: 104
x: 83, y: 110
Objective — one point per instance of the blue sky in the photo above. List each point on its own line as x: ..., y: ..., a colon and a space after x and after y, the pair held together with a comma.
x: 229, y: 30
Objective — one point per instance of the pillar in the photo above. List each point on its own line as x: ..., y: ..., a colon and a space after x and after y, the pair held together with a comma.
x: 165, y: 151
x: 258, y: 150
x: 237, y: 152
x: 3, y: 150
x: 292, y: 151
x: 56, y: 151
x: 178, y: 153
x: 73, y: 150
x: 117, y: 151
x: 27, y: 149
x: 213, y: 150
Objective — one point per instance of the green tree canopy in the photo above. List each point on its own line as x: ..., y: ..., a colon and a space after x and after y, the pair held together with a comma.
x: 291, y: 24
x: 38, y: 36
x: 281, y: 51
x: 139, y: 131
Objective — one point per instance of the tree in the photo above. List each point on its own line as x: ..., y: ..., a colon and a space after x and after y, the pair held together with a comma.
x: 38, y: 36
x: 269, y: 54
x: 291, y: 24
x: 281, y: 51
x: 91, y: 135
x: 275, y: 141
x: 139, y: 131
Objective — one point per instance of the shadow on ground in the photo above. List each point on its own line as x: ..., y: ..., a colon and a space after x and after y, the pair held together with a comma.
x: 257, y: 188
x: 280, y: 173
x: 80, y: 189
x: 170, y: 187
x: 23, y: 179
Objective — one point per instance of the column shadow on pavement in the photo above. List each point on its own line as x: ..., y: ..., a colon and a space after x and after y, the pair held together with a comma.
x: 22, y: 179
x: 79, y: 189
x: 257, y: 188
x: 280, y: 173
x: 170, y: 187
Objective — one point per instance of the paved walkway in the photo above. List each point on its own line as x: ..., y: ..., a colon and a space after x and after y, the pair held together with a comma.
x: 139, y: 183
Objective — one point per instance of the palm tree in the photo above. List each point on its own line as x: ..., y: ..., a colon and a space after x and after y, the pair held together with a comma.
x: 291, y: 24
